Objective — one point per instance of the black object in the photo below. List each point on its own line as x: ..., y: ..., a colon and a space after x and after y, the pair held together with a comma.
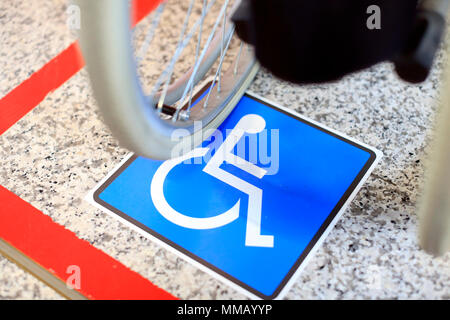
x: 413, y: 64
x: 314, y: 41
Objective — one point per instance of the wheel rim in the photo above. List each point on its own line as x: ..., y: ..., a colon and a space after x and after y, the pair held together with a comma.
x: 106, y: 43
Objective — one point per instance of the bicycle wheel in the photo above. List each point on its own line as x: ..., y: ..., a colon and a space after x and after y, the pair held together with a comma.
x: 153, y: 123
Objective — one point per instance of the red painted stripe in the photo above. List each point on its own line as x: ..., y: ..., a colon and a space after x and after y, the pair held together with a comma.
x: 141, y: 9
x: 32, y: 91
x: 56, y: 248
x: 21, y: 100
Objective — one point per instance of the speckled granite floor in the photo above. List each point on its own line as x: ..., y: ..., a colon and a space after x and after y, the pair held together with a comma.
x: 60, y: 150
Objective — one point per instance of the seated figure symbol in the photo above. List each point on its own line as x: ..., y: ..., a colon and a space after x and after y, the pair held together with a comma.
x: 251, y: 124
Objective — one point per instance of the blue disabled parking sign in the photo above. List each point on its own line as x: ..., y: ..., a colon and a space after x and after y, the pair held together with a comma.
x: 250, y: 204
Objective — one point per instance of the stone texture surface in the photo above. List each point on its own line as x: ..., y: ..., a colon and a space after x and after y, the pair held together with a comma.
x: 59, y: 151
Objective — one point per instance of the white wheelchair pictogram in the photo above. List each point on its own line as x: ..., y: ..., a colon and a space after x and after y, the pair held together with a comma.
x: 251, y: 124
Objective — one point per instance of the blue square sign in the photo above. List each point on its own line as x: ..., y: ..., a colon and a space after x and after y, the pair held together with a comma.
x: 252, y: 202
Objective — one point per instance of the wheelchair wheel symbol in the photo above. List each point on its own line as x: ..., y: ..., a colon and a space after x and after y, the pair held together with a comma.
x: 252, y: 124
